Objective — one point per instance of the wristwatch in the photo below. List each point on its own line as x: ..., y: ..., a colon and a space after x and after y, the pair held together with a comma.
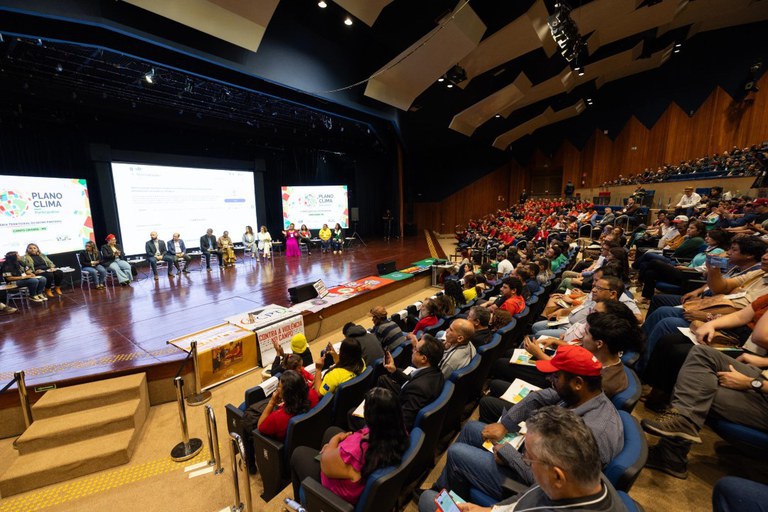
x: 757, y: 384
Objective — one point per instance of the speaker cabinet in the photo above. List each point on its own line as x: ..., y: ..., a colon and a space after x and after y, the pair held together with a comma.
x: 386, y: 268
x: 302, y: 293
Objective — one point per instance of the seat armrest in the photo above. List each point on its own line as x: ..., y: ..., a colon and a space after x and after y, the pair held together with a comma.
x: 317, y: 497
x: 511, y: 487
x: 234, y: 418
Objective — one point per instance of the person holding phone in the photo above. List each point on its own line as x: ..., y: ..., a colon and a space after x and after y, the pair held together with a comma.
x: 348, y: 364
x: 564, y: 458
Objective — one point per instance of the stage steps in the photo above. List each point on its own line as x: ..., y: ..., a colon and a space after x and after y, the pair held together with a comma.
x: 79, y: 430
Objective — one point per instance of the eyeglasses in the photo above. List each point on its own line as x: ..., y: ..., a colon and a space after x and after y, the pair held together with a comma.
x: 600, y: 288
x: 529, y: 462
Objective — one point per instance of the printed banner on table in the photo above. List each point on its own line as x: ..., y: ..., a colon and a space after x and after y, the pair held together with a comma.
x: 259, y: 317
x: 414, y: 270
x: 318, y: 304
x: 424, y: 263
x: 398, y: 276
x: 359, y: 286
x: 223, y: 352
x: 281, y: 332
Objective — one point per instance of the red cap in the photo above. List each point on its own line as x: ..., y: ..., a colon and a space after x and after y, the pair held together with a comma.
x: 572, y: 359
x: 760, y: 201
x: 110, y: 237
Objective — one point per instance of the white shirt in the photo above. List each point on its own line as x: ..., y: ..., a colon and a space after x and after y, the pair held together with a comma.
x: 505, y: 267
x: 687, y: 201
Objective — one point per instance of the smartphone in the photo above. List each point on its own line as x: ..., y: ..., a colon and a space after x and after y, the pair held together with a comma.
x: 387, y: 356
x: 445, y: 502
x: 716, y: 261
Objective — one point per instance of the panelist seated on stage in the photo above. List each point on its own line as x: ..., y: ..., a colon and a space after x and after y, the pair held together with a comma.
x: 112, y: 255
x: 157, y: 251
x: 227, y: 249
x: 208, y: 246
x: 337, y: 240
x: 325, y: 238
x: 178, y: 251
x: 15, y: 272
x: 42, y: 266
x: 90, y: 262
x: 305, y: 237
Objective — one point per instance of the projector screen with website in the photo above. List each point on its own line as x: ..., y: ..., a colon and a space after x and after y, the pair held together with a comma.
x: 54, y: 213
x: 315, y: 206
x: 186, y: 200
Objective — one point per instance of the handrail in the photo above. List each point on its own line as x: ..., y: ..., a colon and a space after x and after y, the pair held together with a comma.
x: 238, y: 448
x: 26, y: 409
x: 213, y: 440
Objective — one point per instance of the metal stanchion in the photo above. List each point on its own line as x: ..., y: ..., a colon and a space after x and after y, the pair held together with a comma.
x: 26, y: 410
x: 187, y: 448
x: 237, y: 448
x: 200, y: 397
x: 213, y: 440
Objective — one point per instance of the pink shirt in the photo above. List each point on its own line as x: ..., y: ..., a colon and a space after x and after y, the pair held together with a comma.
x: 352, y: 452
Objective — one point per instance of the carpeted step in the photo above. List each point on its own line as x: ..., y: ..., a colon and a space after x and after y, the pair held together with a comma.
x: 55, y: 465
x: 79, y: 426
x: 72, y: 399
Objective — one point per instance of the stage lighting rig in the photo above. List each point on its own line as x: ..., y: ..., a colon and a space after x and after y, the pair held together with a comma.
x: 565, y: 32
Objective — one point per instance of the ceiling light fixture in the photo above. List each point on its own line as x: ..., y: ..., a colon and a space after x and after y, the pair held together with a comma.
x: 150, y: 77
x: 348, y: 21
x: 321, y: 4
x: 450, y: 86
x: 678, y: 45
x: 441, y: 79
x: 498, y: 115
x: 581, y: 71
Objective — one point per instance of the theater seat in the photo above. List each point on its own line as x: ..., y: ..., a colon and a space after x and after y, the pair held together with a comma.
x: 348, y: 395
x: 750, y: 440
x: 382, y: 489
x: 624, y: 469
x: 627, y: 399
x: 632, y: 505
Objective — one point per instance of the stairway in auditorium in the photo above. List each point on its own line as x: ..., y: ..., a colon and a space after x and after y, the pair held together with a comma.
x: 79, y: 430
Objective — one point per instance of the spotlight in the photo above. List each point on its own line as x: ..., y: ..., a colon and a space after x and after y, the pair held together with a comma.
x: 348, y: 21
x: 59, y: 68
x: 150, y: 77
x: 441, y: 79
x: 498, y: 115
x: 321, y: 4
x: 456, y: 75
x: 678, y: 45
x: 676, y: 50
x: 450, y: 86
x: 581, y: 71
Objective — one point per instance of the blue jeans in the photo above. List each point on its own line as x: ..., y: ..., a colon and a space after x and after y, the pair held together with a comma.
x: 540, y: 328
x: 733, y: 494
x: 663, y: 299
x: 665, y: 320
x: 470, y: 465
x: 98, y: 274
x: 35, y: 285
x: 123, y: 270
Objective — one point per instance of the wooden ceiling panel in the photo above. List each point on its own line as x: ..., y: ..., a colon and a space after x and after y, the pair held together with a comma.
x: 239, y: 23
x: 547, y: 117
x: 409, y: 74
x: 365, y: 10
x: 469, y: 120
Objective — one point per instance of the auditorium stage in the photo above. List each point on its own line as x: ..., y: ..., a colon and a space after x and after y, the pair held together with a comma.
x: 89, y: 334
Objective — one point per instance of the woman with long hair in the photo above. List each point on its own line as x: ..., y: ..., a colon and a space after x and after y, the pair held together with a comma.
x: 249, y: 241
x: 291, y: 398
x: 348, y: 458
x: 265, y: 242
x: 471, y: 290
x: 42, y: 266
x: 90, y: 261
x: 337, y: 241
x: 305, y: 237
x: 452, y: 290
x: 348, y: 364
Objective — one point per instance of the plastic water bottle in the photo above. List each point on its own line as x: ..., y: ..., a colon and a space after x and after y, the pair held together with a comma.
x: 294, y: 505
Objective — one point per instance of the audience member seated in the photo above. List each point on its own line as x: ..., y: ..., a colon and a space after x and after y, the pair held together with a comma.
x: 608, y: 332
x: 471, y: 290
x: 42, y: 266
x: 734, y: 494
x: 669, y: 353
x: 291, y: 398
x: 556, y: 257
x: 347, y: 459
x: 428, y: 315
x: 690, y: 245
x: 369, y: 343
x: 348, y: 364
x: 504, y: 266
x: 565, y: 460
x: 421, y: 386
x: 458, y: 349
x: 499, y: 319
x: 576, y: 385
x: 453, y: 292
x: 710, y: 382
x: 23, y: 277
x: 299, y: 347
x: 687, y: 203
x: 717, y: 242
x: 743, y: 281
x: 209, y: 245
x: 480, y: 318
x: 386, y: 331
x: 511, y: 298
x: 629, y: 214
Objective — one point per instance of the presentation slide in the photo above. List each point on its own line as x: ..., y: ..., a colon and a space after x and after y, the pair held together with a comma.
x: 186, y: 200
x: 53, y: 213
x: 315, y: 206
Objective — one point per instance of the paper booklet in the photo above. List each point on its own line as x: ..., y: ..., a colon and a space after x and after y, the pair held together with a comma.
x: 359, y: 410
x: 518, y: 390
x: 560, y: 321
x: 515, y: 439
x: 521, y: 356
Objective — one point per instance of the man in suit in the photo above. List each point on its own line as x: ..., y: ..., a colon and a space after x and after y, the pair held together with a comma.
x: 208, y: 246
x: 423, y: 385
x: 156, y: 250
x: 178, y: 251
